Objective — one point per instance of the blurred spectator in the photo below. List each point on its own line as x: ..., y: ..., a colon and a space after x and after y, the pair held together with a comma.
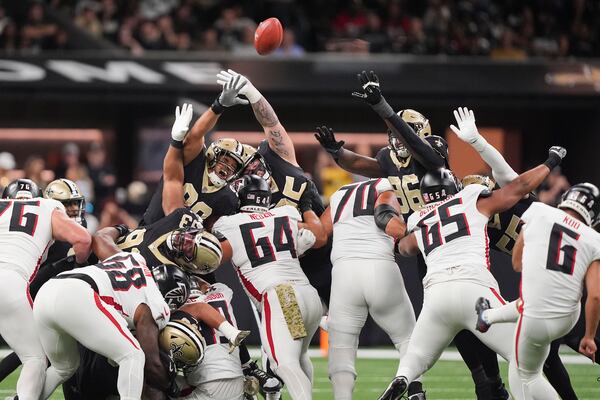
x: 112, y: 214
x: 210, y: 41
x: 231, y: 27
x: 150, y: 37
x: 110, y: 20
x: 100, y: 172
x: 7, y: 164
x: 553, y: 188
x: 8, y: 32
x: 289, y: 47
x: 137, y: 198
x: 507, y: 49
x: 35, y: 169
x: 38, y: 33
x: 87, y: 18
x: 330, y: 175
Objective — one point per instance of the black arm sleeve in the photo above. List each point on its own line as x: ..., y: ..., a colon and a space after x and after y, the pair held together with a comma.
x: 418, y: 147
x: 49, y: 271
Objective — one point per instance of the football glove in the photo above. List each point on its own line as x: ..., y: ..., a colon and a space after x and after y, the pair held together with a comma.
x: 238, y: 340
x: 248, y: 89
x: 305, y: 202
x: 371, y: 92
x: 467, y: 130
x: 183, y: 117
x: 326, y: 138
x: 231, y: 89
x: 306, y: 240
x: 555, y: 156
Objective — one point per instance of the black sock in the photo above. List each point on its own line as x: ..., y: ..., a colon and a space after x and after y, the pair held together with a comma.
x: 467, y: 345
x: 557, y: 374
x: 415, y: 387
x: 244, y: 354
x: 478, y: 375
x: 9, y: 364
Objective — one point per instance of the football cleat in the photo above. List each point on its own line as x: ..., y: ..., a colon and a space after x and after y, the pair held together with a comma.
x: 267, y: 382
x: 417, y: 396
x: 396, y: 389
x: 481, y: 305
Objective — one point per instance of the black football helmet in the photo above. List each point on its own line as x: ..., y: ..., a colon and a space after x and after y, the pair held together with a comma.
x: 584, y: 199
x: 254, y: 194
x: 437, y: 185
x: 21, y: 189
x: 173, y: 283
x: 439, y: 144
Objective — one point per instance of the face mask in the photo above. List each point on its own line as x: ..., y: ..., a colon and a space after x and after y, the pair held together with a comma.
x: 216, y: 179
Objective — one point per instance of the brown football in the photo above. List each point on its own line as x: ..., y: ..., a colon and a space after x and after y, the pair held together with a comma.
x: 268, y: 36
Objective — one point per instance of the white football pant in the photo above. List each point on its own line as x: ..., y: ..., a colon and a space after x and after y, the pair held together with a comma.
x: 532, y: 340
x: 288, y: 357
x: 449, y: 307
x: 360, y: 288
x: 67, y: 311
x: 19, y: 331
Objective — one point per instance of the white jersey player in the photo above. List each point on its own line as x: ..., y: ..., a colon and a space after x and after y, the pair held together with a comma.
x: 365, y: 277
x: 28, y: 226
x: 264, y: 247
x: 451, y: 233
x: 97, y: 306
x: 556, y: 252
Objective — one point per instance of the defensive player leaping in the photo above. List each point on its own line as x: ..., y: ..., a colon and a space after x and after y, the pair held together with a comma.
x: 451, y: 232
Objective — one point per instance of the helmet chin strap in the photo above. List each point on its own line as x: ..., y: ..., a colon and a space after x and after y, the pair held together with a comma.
x: 216, y: 180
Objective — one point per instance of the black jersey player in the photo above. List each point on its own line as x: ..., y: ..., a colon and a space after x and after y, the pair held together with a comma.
x: 208, y: 170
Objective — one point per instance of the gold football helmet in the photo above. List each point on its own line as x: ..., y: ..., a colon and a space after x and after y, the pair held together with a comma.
x: 196, y: 251
x: 221, y: 171
x: 183, y: 339
x: 480, y: 180
x: 417, y: 122
x: 67, y: 192
x: 254, y: 163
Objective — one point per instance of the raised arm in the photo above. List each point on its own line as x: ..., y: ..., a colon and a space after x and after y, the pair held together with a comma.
x: 348, y: 160
x: 587, y: 346
x: 506, y: 197
x: 173, y: 175
x: 194, y: 142
x: 422, y: 151
x: 67, y: 230
x: 468, y: 133
x: 278, y: 138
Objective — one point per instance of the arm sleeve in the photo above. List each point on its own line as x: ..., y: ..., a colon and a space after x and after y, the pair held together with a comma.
x: 418, y: 147
x: 501, y: 171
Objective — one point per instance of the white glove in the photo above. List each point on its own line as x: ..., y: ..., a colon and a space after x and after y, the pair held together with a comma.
x: 306, y: 240
x: 248, y: 89
x: 467, y: 130
x: 231, y: 89
x: 181, y: 125
x: 238, y: 340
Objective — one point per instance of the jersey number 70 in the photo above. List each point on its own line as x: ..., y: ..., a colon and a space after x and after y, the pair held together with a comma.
x: 267, y: 246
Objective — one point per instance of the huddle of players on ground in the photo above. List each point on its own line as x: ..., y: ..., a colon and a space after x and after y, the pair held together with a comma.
x: 138, y: 313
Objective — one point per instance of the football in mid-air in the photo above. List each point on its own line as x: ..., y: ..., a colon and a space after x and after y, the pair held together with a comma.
x: 268, y: 36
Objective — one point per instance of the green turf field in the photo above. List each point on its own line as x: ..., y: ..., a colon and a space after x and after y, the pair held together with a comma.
x: 448, y: 380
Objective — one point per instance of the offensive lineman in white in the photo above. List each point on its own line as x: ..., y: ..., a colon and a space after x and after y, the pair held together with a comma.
x: 556, y: 252
x: 97, y: 306
x: 451, y: 232
x: 264, y: 246
x: 365, y: 277
x: 28, y: 226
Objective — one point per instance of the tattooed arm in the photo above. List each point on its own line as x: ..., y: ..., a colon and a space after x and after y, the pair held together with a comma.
x: 278, y: 138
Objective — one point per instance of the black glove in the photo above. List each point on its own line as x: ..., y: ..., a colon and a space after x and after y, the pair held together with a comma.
x: 167, y: 361
x: 370, y: 92
x: 555, y: 156
x: 305, y: 202
x: 326, y: 138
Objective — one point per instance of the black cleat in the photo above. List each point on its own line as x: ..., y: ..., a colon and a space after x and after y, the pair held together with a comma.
x: 417, y: 396
x: 499, y: 392
x: 267, y: 382
x: 396, y: 389
x: 481, y: 305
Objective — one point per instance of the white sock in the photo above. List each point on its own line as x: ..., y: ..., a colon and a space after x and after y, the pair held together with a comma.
x: 506, y: 313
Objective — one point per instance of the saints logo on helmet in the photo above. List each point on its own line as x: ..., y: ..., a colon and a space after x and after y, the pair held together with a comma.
x: 479, y: 180
x: 183, y: 339
x: 417, y: 122
x: 21, y: 189
x: 224, y: 159
x: 194, y: 250
x: 67, y: 192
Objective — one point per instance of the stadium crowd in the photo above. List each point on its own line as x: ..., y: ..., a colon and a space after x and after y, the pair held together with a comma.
x: 506, y: 29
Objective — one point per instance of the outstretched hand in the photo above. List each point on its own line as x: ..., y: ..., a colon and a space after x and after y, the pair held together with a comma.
x: 326, y: 138
x: 183, y: 117
x: 370, y: 90
x: 467, y: 130
x: 247, y: 89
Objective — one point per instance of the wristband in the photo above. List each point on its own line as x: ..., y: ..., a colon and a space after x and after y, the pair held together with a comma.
x: 178, y: 144
x: 217, y: 107
x: 228, y: 330
x: 383, y: 109
x: 553, y: 161
x: 122, y: 229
